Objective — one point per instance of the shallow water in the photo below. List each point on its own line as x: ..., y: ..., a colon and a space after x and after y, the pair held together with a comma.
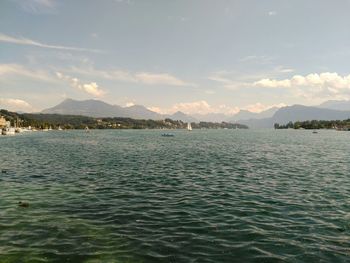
x: 201, y: 196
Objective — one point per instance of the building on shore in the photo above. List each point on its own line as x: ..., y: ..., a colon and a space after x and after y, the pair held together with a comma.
x: 3, y: 122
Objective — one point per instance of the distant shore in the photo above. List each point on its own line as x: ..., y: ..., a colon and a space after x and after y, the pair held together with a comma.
x: 339, y: 125
x: 67, y: 122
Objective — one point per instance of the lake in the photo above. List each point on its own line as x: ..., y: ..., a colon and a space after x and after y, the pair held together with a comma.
x: 200, y: 196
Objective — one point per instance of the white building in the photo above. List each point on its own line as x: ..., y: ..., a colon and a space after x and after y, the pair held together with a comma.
x: 3, y: 122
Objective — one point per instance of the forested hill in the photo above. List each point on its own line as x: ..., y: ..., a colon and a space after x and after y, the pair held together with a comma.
x: 39, y: 120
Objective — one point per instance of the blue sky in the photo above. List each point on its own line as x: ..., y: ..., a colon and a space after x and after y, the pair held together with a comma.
x: 198, y: 56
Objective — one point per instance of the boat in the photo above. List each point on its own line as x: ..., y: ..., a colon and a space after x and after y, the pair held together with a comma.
x: 59, y: 128
x: 168, y: 135
x: 87, y: 129
x: 189, y: 127
x: 314, y: 132
x: 8, y: 131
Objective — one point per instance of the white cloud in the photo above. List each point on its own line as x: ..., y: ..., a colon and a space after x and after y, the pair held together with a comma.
x: 332, y: 82
x: 119, y: 75
x: 196, y: 107
x: 259, y: 107
x: 91, y: 88
x: 160, y: 79
x: 30, y: 42
x: 203, y: 107
x: 272, y: 13
x: 146, y: 78
x: 129, y: 104
x: 16, y: 69
x: 284, y: 70
x: 257, y: 59
x: 37, y: 6
x: 326, y: 85
x: 224, y: 78
x: 15, y: 105
x: 234, y: 80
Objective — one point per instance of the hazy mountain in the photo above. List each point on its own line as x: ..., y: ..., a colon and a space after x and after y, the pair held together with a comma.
x: 92, y: 108
x: 181, y: 117
x: 265, y: 119
x: 96, y: 108
x: 211, y: 117
x: 304, y: 113
x: 297, y: 113
x: 246, y: 115
x: 336, y: 105
x: 140, y: 112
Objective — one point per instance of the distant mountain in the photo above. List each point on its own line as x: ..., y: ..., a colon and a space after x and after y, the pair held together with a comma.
x: 336, y: 105
x: 179, y: 115
x: 140, y: 112
x: 91, y: 108
x: 304, y: 113
x: 241, y: 115
x: 97, y: 108
x: 246, y: 115
x: 266, y: 119
x: 297, y: 113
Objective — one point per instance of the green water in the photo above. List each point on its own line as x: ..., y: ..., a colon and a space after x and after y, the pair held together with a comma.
x: 201, y: 196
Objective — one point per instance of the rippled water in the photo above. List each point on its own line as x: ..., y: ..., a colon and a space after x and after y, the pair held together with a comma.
x: 201, y: 196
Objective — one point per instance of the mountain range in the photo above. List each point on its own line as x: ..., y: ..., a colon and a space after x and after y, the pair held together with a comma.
x: 97, y: 108
x: 329, y: 110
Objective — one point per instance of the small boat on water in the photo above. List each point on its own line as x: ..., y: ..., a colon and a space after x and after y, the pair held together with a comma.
x: 168, y: 135
x: 87, y: 129
x: 315, y: 132
x: 189, y: 127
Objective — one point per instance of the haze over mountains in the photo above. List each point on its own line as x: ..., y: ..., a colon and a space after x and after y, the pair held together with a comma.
x: 336, y: 105
x: 329, y: 110
x: 97, y: 108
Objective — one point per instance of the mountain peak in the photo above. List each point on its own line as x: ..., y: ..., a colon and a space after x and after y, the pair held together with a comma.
x: 98, y: 108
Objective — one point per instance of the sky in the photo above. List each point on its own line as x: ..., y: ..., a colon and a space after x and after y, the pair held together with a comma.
x: 197, y: 56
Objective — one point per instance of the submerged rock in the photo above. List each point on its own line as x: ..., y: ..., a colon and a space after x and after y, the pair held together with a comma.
x: 23, y: 204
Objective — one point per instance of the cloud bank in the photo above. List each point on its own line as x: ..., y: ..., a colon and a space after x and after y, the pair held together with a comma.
x: 146, y: 78
x: 203, y: 107
x: 90, y: 88
x: 15, y: 105
x: 321, y: 85
x: 19, y: 70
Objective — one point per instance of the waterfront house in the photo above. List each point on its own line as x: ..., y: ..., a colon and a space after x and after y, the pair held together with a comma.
x: 3, y: 122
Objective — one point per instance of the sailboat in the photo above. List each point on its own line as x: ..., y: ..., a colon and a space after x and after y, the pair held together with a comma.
x: 87, y: 129
x: 189, y: 127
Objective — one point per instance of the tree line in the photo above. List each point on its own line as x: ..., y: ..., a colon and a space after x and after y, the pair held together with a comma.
x: 316, y: 124
x: 42, y: 121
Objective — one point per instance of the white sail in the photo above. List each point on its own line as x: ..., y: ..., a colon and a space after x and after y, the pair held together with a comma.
x: 189, y: 127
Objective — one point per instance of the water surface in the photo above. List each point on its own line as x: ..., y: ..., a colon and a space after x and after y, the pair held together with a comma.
x: 201, y: 196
